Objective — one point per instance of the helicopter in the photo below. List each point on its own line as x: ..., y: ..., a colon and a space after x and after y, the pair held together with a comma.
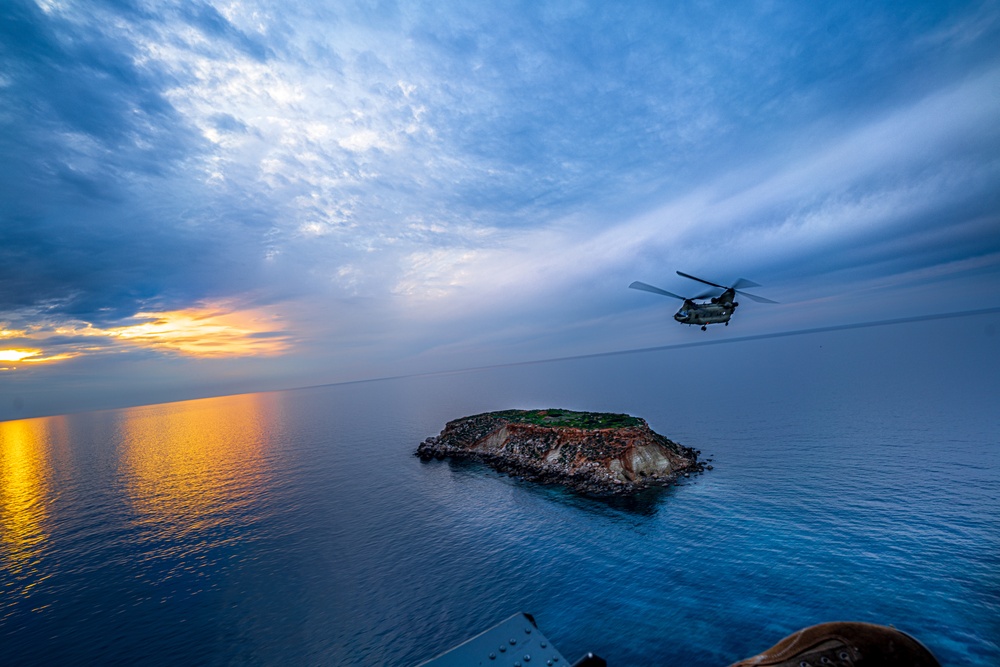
x: 716, y: 311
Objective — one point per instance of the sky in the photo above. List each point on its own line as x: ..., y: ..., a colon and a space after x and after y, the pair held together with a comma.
x: 201, y: 198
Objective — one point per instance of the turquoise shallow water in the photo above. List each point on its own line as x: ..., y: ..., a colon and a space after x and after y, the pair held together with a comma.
x: 298, y: 528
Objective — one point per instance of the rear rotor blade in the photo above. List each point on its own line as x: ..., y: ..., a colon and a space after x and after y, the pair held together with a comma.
x: 758, y: 299
x: 681, y: 273
x: 655, y: 290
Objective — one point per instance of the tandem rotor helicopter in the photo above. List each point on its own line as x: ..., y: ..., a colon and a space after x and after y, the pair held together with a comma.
x: 716, y: 311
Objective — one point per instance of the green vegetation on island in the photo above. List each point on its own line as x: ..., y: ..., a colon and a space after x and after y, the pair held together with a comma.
x: 569, y: 418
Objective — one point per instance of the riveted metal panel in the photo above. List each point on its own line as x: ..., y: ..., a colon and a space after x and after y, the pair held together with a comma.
x: 515, y: 642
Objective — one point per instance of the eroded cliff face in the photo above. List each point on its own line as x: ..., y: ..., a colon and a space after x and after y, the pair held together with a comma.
x: 617, y: 460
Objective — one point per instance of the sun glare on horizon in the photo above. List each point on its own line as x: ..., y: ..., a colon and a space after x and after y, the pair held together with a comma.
x: 18, y: 355
x: 204, y: 331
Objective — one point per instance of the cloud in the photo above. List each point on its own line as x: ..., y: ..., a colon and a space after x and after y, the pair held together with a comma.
x: 401, y: 181
x: 208, y: 330
x: 93, y: 145
x: 901, y: 192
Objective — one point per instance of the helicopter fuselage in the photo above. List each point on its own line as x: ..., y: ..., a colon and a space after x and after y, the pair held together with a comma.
x: 716, y: 311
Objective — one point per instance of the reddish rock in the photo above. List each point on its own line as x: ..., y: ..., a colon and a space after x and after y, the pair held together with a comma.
x: 569, y: 448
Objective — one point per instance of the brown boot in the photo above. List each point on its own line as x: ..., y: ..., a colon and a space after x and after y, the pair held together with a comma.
x: 855, y: 644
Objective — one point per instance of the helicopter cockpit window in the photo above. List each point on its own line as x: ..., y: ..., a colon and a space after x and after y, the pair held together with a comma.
x: 683, y: 313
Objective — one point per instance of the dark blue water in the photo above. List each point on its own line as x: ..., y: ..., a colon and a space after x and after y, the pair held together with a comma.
x: 857, y: 478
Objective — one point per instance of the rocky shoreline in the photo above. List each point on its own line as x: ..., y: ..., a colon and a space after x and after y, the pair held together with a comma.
x: 601, y: 454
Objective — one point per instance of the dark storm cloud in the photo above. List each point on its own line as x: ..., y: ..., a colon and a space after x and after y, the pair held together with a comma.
x: 99, y: 217
x: 64, y: 77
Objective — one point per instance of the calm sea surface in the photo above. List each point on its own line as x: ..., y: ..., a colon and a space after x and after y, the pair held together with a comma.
x: 854, y: 480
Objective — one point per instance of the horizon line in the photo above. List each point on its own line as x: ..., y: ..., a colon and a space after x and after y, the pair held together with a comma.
x: 591, y: 355
x: 675, y: 346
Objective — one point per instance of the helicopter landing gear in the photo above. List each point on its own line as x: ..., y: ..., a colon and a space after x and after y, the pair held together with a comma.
x: 704, y: 328
x: 727, y: 323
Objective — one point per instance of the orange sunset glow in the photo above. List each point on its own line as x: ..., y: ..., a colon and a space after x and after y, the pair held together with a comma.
x: 24, y: 491
x: 33, y: 356
x: 185, y: 466
x: 206, y: 331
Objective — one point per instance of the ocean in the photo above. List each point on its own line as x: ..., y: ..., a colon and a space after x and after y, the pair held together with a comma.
x: 857, y: 477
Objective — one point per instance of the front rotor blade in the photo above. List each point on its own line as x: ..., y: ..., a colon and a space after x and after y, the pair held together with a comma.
x: 758, y: 299
x: 681, y: 273
x: 655, y: 290
x: 743, y: 282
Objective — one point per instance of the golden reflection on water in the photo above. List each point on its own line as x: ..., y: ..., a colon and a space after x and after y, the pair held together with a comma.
x: 194, y: 466
x: 24, y: 496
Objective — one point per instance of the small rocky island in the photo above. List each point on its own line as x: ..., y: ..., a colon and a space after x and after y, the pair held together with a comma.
x: 594, y: 453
